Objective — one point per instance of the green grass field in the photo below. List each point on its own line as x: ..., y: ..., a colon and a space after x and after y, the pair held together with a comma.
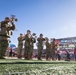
x: 35, y: 67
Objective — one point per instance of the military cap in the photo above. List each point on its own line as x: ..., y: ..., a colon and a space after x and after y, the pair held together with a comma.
x: 34, y: 34
x: 21, y: 34
x: 6, y: 17
x: 41, y: 34
x: 28, y: 31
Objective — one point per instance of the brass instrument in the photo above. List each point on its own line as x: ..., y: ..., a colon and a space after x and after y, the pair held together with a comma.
x: 34, y: 35
x: 13, y: 18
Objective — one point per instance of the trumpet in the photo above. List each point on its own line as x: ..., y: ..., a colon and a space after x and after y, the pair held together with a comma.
x: 34, y: 35
x: 13, y: 18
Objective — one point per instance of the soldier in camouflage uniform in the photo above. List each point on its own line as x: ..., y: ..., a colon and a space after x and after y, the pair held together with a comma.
x: 40, y: 45
x: 53, y: 49
x: 47, y: 48
x: 4, y: 35
x: 33, y: 40
x: 20, y: 45
x: 28, y: 45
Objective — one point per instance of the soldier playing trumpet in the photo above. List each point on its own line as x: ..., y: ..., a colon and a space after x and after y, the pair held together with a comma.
x: 20, y: 45
x: 47, y: 48
x: 53, y: 46
x: 33, y: 40
x: 4, y: 29
x: 40, y: 45
x: 29, y: 40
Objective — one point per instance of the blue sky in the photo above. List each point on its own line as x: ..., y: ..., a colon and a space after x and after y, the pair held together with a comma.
x: 53, y: 18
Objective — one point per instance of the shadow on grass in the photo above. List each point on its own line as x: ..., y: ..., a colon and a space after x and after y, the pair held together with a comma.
x: 15, y: 61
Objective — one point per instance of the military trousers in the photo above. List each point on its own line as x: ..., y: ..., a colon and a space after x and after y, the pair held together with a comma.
x: 27, y: 52
x: 40, y: 48
x: 53, y: 54
x: 3, y: 47
x: 47, y: 53
x: 31, y: 52
x: 20, y: 51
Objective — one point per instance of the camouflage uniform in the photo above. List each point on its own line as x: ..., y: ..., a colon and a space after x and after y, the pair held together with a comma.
x: 4, y: 32
x: 20, y: 46
x: 32, y: 47
x: 53, y: 48
x: 40, y: 47
x: 28, y: 47
x: 47, y: 50
x: 3, y: 46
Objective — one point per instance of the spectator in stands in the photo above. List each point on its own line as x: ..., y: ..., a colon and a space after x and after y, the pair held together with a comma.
x: 75, y: 53
x: 59, y: 54
x: 10, y: 52
x: 67, y: 56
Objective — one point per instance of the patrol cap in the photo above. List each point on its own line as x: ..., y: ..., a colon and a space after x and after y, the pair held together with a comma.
x: 41, y: 34
x: 34, y: 34
x: 28, y: 31
x: 21, y: 34
x: 6, y: 17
